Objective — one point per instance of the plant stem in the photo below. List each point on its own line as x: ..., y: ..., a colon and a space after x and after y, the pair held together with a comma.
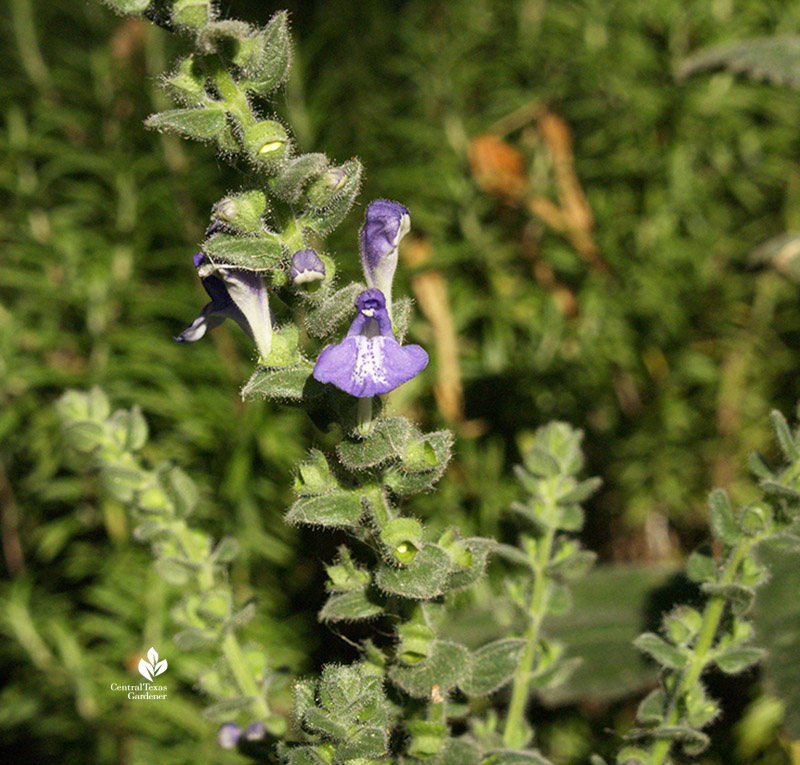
x: 234, y: 97
x: 514, y: 735
x: 232, y: 652
x: 705, y: 640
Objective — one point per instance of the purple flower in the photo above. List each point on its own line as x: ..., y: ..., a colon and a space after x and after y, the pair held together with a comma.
x: 235, y: 294
x: 369, y: 361
x: 229, y: 735
x: 255, y: 731
x: 306, y: 266
x: 385, y: 224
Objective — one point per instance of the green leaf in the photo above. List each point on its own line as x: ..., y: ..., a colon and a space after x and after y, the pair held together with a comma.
x: 288, y: 384
x: 202, y: 123
x: 349, y: 606
x: 181, y: 490
x: 460, y: 752
x: 664, y: 653
x: 172, y: 571
x: 226, y: 550
x: 332, y: 309
x: 777, y: 613
x: 651, y: 710
x: 739, y: 659
x: 723, y: 521
x: 340, y: 509
x: 386, y: 441
x: 295, y: 175
x: 255, y: 253
x: 445, y: 666
x: 424, y: 578
x: 739, y: 596
x: 775, y: 58
x: 85, y: 436
x: 700, y: 709
x: 331, y: 196
x: 127, y: 6
x: 581, y: 491
x: 492, y: 667
x: 513, y: 757
x: 268, y: 64
x: 364, y: 743
x: 701, y: 567
x: 782, y: 431
x: 401, y: 480
x: 479, y: 548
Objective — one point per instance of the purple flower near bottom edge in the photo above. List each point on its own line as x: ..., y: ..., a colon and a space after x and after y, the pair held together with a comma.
x: 235, y: 294
x: 369, y: 361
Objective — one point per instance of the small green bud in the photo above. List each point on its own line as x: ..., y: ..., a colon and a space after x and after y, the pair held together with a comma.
x: 755, y: 519
x: 682, y: 624
x: 266, y: 142
x: 416, y: 639
x: 427, y: 738
x: 403, y: 537
x: 216, y: 606
x: 345, y: 575
x: 242, y: 211
x: 324, y: 189
x: 192, y: 14
x: 461, y: 555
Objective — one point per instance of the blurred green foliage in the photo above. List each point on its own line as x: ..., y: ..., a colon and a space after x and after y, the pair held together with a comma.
x: 669, y: 358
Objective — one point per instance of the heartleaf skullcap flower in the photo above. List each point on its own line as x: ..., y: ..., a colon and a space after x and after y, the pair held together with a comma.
x: 235, y: 294
x: 369, y: 361
x: 255, y: 731
x: 229, y: 735
x: 306, y: 266
x: 385, y: 224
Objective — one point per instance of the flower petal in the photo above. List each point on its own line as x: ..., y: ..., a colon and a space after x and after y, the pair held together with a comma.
x: 363, y: 366
x: 385, y: 224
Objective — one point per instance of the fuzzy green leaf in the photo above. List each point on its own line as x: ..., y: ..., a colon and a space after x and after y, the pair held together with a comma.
x: 651, y: 710
x: 332, y: 309
x: 445, y: 666
x: 424, y: 578
x: 349, y: 606
x: 664, y: 653
x: 340, y: 509
x: 331, y: 196
x: 287, y: 384
x: 775, y: 59
x: 738, y: 659
x: 255, y: 253
x: 723, y: 521
x: 295, y: 175
x: 127, y: 6
x: 462, y: 577
x: 202, y: 123
x: 268, y: 64
x: 492, y: 667
x: 387, y: 439
x: 512, y: 757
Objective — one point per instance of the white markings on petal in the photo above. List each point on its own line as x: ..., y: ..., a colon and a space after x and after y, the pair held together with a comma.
x: 369, y: 361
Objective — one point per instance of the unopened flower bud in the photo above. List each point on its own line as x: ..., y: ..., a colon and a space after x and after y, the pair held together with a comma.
x: 266, y: 141
x: 306, y: 267
x: 243, y: 211
x: 385, y: 224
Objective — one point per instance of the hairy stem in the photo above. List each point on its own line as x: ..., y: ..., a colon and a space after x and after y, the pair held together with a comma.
x: 700, y: 656
x: 514, y: 734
